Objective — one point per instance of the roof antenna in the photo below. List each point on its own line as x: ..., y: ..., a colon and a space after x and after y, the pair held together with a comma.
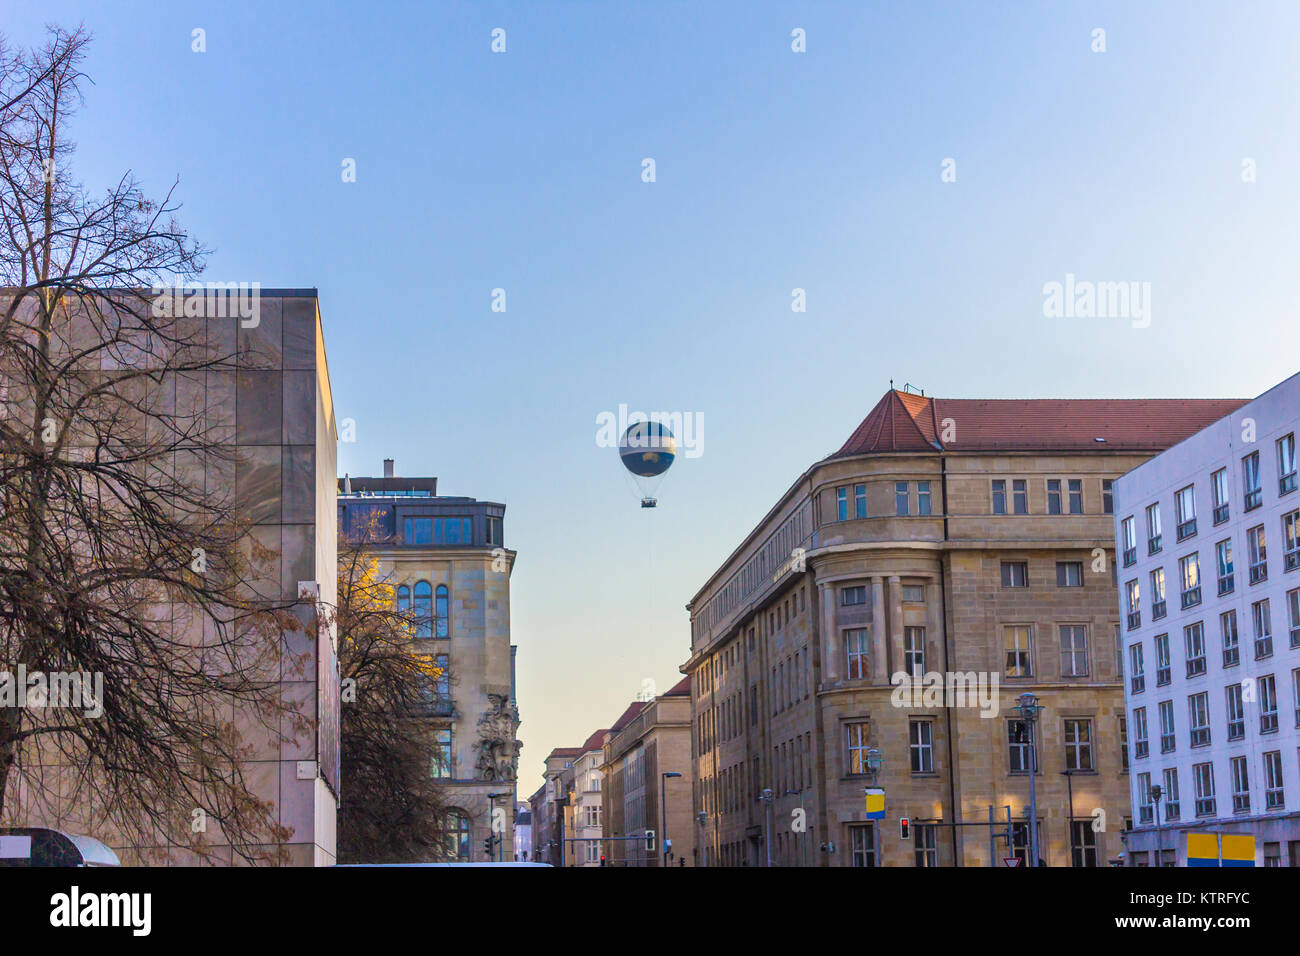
x: 891, y: 384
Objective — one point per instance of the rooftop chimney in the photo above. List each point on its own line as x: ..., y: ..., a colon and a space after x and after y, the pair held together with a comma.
x: 388, y: 468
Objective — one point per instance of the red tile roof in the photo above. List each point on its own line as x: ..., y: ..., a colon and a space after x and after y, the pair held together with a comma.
x: 566, y: 752
x: 903, y: 422
x: 681, y: 689
x: 595, y: 741
x: 625, y: 718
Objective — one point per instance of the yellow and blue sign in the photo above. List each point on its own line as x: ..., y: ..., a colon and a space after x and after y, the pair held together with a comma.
x: 1238, y: 849
x: 1209, y: 849
x: 1202, y: 849
x: 875, y: 804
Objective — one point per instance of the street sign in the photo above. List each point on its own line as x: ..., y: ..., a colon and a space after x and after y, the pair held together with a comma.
x: 1011, y: 860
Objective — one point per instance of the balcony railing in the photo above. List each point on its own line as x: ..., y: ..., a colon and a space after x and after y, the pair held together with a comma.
x: 1220, y: 514
x: 1153, y: 544
x: 1137, y: 684
x: 1200, y: 736
x: 1163, y: 676
x: 1134, y: 619
x: 1258, y: 572
x: 1263, y: 647
x: 1191, y: 597
x: 1157, y: 610
x: 1130, y: 556
x: 1254, y: 499
x: 1196, y: 666
x: 1286, y: 484
x: 1226, y: 584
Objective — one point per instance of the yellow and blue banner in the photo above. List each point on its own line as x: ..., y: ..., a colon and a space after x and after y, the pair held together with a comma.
x: 875, y: 804
x: 1202, y: 849
x: 1238, y: 849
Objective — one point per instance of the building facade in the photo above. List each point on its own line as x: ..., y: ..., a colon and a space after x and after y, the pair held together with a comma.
x: 446, y: 558
x: 966, y: 542
x: 649, y: 739
x: 1211, y: 627
x: 267, y: 407
x: 585, y: 810
x: 549, y: 804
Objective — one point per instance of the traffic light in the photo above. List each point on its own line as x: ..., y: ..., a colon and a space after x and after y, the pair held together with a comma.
x: 649, y: 841
x: 487, y: 847
x: 904, y: 828
x: 602, y: 859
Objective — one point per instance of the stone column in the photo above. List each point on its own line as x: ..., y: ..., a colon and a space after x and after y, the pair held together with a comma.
x: 879, y: 650
x: 830, y: 635
x: 896, y: 623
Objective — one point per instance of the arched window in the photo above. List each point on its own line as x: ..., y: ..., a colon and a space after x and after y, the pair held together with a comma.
x: 444, y: 600
x: 458, y: 833
x: 403, y: 599
x: 423, y: 609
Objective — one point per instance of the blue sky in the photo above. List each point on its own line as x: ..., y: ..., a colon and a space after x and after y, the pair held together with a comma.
x: 774, y: 171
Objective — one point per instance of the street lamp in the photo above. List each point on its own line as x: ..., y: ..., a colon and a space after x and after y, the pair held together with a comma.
x: 874, y: 760
x: 1069, y: 786
x: 663, y: 811
x: 702, y: 817
x: 766, y: 797
x: 492, y: 821
x: 1029, y: 709
x: 1156, y: 793
x: 803, y: 853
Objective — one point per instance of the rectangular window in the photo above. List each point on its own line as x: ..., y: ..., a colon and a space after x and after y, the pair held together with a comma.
x: 842, y: 503
x: 1203, y: 778
x: 1134, y: 604
x: 1130, y: 541
x: 1223, y: 559
x: 1157, y: 594
x: 1078, y: 745
x: 913, y: 594
x: 923, y: 497
x: 925, y: 843
x: 1198, y: 710
x: 442, y: 753
x: 1286, y: 465
x: 1108, y: 496
x: 857, y: 736
x: 902, y: 498
x: 1074, y: 650
x: 1236, y: 712
x: 1194, y: 644
x: 1019, y: 496
x: 1018, y: 748
x: 914, y: 650
x: 1137, y: 677
x: 1083, y: 842
x: 1167, y: 741
x: 1219, y: 486
x: 1273, y: 796
x: 1262, y: 620
x: 859, y: 501
x: 1015, y: 574
x: 1257, y: 552
x: 1172, y: 808
x: 1231, y: 644
x: 1185, y: 505
x: 1053, y: 496
x: 1145, y: 802
x: 1016, y: 640
x: 1291, y: 541
x: 1293, y: 615
x: 1240, y: 785
x: 1069, y: 574
x: 1123, y: 744
x: 856, y: 594
x: 862, y: 844
x: 1154, y: 536
x: 1252, y: 491
x: 1075, y: 488
x: 1000, y: 496
x: 921, y: 746
x: 418, y: 531
x: 857, y: 653
x: 1190, y: 569
x: 1140, y: 742
x: 494, y: 536
x: 1267, y: 705
x: 1163, y: 668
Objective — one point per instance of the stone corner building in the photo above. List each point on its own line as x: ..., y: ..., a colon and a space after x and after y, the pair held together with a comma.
x: 446, y: 559
x: 945, y: 536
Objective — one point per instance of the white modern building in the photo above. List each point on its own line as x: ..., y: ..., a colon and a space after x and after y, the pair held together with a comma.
x: 1208, y: 554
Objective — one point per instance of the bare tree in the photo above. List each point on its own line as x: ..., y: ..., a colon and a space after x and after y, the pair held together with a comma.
x: 122, y: 555
x: 392, y: 809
